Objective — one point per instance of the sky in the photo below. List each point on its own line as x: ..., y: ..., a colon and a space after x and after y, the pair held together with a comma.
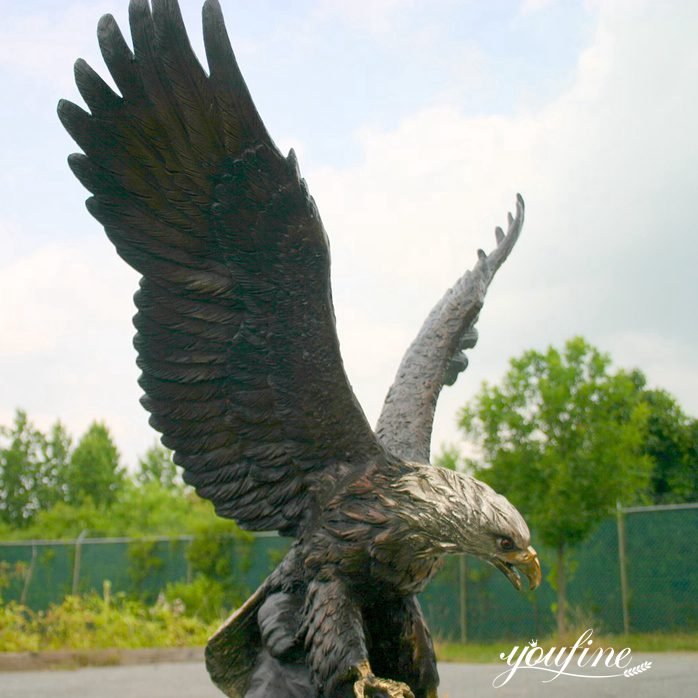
x: 415, y: 124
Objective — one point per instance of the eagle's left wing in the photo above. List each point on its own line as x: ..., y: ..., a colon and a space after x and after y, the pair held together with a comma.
x: 435, y: 357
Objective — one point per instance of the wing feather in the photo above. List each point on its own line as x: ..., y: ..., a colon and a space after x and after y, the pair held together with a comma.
x: 235, y: 327
x: 435, y: 357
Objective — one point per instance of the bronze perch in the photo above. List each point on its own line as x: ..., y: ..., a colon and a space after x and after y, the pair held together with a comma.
x: 243, y: 376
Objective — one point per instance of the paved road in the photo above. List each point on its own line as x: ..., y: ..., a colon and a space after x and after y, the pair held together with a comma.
x: 670, y: 675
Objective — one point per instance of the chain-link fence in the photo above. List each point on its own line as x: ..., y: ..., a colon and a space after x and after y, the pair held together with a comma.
x: 637, y: 573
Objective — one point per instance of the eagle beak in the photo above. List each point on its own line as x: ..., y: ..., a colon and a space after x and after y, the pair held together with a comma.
x: 525, y: 561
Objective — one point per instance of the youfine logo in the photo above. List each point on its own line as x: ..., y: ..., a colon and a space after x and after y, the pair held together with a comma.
x: 580, y: 661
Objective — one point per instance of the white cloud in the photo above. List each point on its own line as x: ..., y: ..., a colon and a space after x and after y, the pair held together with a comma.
x: 607, y: 251
x: 531, y: 6
x: 40, y: 294
x: 65, y: 346
x: 605, y: 169
x: 668, y: 363
x: 33, y: 44
x: 373, y: 15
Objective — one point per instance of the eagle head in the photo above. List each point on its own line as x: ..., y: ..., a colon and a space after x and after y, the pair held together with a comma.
x: 460, y: 514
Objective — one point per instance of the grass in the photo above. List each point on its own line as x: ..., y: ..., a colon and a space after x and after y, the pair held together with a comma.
x: 486, y: 653
x: 95, y: 621
x: 92, y: 622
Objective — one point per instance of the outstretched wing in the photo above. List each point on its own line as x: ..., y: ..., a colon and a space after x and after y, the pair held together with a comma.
x: 236, y: 335
x: 435, y: 357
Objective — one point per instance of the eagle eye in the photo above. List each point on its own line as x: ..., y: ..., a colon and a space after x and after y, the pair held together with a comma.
x: 506, y: 544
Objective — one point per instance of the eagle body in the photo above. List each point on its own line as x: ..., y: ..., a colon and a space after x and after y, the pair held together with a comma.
x: 243, y: 377
x: 362, y: 561
x: 347, y: 589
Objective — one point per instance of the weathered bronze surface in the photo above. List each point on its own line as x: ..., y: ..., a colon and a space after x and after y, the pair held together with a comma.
x: 243, y: 377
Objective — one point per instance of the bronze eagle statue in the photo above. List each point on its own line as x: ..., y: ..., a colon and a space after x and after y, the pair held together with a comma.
x: 243, y: 377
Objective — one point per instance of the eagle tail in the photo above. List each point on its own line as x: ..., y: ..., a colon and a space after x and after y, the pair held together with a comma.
x: 233, y: 650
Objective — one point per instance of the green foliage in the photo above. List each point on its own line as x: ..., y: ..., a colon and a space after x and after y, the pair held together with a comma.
x: 48, y: 490
x: 202, y: 598
x: 147, y: 510
x: 10, y: 572
x: 143, y: 562
x: 672, y: 443
x: 18, y: 632
x: 562, y: 438
x: 30, y: 468
x: 67, y: 521
x: 154, y: 509
x: 449, y: 458
x: 94, y: 471
x: 98, y: 622
x: 40, y: 471
x: 19, y: 456
x: 220, y: 552
x: 156, y: 466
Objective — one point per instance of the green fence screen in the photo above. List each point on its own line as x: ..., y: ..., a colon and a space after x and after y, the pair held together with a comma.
x: 467, y: 600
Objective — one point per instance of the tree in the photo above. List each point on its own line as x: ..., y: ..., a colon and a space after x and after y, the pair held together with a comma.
x: 30, y: 466
x: 562, y: 438
x: 94, y: 471
x: 138, y: 510
x: 672, y: 443
x: 56, y: 447
x: 19, y: 460
x: 156, y: 465
x: 49, y: 490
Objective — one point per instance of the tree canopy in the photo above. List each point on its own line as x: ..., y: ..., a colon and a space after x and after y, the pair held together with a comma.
x: 157, y: 466
x: 562, y: 437
x: 50, y: 489
x: 93, y: 471
x: 31, y: 468
x: 672, y: 443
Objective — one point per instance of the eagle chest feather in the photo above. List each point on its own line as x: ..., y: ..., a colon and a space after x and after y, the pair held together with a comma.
x: 364, y: 536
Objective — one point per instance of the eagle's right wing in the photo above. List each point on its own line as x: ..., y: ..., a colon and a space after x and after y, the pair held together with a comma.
x: 236, y: 334
x: 435, y: 357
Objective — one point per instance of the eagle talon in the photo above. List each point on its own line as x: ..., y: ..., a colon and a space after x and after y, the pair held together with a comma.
x: 373, y: 687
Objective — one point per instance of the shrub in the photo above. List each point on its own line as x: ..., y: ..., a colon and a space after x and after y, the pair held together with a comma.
x: 203, y: 598
x: 99, y: 622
